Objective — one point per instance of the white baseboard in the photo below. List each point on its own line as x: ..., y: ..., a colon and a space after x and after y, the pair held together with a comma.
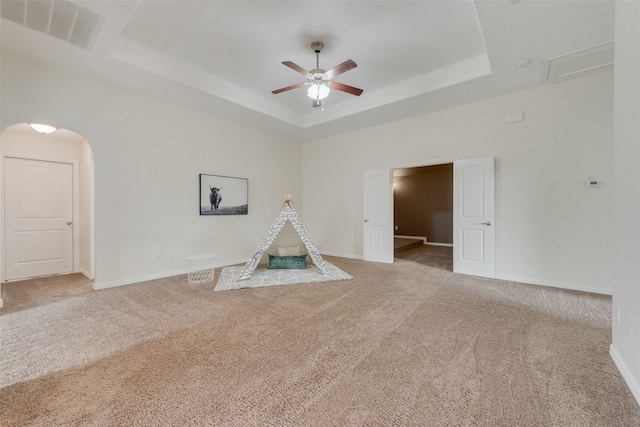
x: 155, y: 276
x: 561, y: 285
x: 424, y: 239
x: 130, y: 281
x: 519, y: 279
x: 632, y: 382
x: 86, y: 274
x: 341, y: 255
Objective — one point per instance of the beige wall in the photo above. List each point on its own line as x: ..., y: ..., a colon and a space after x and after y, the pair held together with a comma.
x: 423, y: 202
x: 543, y: 208
x: 148, y: 154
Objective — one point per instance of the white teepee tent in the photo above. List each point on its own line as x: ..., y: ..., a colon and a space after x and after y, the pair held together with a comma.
x: 287, y: 213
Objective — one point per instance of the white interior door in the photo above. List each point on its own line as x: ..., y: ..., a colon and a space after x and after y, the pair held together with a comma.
x: 38, y: 218
x: 473, y: 222
x: 378, y: 221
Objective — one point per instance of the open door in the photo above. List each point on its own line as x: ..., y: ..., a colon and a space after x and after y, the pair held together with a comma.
x: 378, y: 221
x: 473, y: 222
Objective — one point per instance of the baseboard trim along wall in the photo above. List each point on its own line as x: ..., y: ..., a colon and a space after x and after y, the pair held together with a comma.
x: 115, y: 283
x: 424, y: 240
x: 632, y: 383
x: 560, y: 285
x: 341, y: 255
x: 526, y: 280
x: 86, y: 273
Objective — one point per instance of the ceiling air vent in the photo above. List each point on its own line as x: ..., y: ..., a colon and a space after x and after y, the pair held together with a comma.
x: 62, y: 19
x: 581, y: 62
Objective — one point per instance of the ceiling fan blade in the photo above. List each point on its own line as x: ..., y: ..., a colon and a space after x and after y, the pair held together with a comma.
x: 336, y: 71
x: 297, y: 68
x: 284, y: 89
x: 346, y: 88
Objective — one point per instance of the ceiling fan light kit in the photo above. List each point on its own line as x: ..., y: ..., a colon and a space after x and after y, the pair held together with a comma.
x: 42, y: 128
x: 319, y: 82
x: 318, y: 91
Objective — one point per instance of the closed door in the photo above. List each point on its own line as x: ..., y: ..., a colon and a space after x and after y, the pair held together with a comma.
x: 38, y: 218
x: 473, y: 222
x: 378, y: 219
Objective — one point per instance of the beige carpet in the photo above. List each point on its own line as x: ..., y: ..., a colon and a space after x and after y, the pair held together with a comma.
x: 433, y: 256
x: 46, y: 290
x: 401, y: 344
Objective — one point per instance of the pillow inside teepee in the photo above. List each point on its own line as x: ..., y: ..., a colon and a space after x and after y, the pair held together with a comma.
x: 288, y: 240
x: 287, y: 262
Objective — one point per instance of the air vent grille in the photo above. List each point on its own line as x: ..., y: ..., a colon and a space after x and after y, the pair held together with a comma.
x: 584, y: 61
x: 61, y: 19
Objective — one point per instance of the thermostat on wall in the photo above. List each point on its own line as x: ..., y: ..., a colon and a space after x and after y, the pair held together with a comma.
x: 594, y: 183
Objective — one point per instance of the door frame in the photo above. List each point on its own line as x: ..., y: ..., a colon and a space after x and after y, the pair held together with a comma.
x: 434, y: 163
x: 390, y: 233
x: 75, y: 165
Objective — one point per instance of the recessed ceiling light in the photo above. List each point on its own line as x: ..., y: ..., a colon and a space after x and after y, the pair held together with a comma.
x: 43, y: 128
x: 522, y: 63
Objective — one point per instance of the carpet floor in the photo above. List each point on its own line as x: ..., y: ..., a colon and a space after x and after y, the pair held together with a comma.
x: 400, y: 344
x: 433, y: 256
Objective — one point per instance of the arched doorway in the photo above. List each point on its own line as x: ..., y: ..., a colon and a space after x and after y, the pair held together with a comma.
x: 66, y: 157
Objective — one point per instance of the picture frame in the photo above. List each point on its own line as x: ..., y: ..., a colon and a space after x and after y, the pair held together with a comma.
x: 223, y: 195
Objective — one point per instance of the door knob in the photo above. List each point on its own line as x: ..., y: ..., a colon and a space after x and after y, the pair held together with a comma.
x: 69, y: 222
x: 486, y: 223
x: 366, y: 220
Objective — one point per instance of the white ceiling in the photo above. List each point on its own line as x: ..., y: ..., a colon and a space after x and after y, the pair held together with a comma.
x: 224, y: 57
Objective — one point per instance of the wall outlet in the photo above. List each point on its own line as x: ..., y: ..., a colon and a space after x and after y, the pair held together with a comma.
x: 533, y: 260
x: 396, y: 228
x: 156, y: 257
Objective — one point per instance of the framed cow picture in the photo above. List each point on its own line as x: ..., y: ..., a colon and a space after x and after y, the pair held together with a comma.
x: 223, y: 195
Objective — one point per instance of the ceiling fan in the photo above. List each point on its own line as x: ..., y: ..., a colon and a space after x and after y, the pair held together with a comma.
x: 320, y: 81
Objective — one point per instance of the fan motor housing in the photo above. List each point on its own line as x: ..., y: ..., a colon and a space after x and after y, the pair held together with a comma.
x: 317, y: 73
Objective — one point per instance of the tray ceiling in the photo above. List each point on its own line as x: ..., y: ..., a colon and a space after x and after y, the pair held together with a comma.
x: 224, y: 57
